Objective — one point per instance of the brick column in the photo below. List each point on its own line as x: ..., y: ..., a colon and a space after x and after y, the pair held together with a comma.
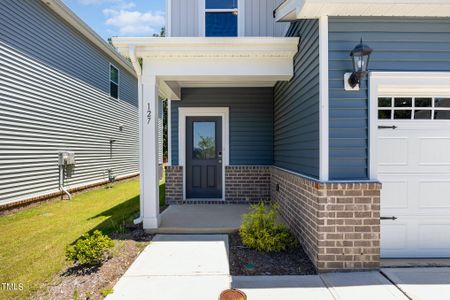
x: 174, y: 184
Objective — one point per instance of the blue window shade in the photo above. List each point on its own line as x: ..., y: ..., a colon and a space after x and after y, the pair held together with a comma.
x: 221, y: 24
x: 221, y: 4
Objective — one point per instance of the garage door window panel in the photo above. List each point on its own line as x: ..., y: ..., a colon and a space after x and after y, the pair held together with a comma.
x: 414, y: 108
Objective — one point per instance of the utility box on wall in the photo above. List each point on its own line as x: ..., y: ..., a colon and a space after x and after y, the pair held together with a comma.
x: 66, y: 162
x: 66, y: 158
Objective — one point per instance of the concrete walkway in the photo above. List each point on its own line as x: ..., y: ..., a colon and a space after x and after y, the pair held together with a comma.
x: 196, y: 267
x: 178, y: 267
x: 421, y: 283
x: 200, y: 219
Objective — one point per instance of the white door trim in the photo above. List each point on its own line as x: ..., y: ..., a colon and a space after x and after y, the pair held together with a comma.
x: 184, y: 112
x: 396, y: 83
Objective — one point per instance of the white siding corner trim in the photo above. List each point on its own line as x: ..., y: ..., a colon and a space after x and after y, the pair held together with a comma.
x: 323, y: 95
x: 222, y: 112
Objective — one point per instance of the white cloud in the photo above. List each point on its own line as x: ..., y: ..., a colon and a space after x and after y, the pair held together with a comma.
x: 134, y: 22
x: 91, y: 2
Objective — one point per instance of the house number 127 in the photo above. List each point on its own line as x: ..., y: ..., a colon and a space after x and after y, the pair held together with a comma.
x: 149, y: 113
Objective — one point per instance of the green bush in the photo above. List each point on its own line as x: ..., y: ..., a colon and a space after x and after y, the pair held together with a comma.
x: 261, y: 231
x: 89, y: 249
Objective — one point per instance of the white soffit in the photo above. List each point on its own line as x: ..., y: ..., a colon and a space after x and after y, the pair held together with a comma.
x: 291, y: 10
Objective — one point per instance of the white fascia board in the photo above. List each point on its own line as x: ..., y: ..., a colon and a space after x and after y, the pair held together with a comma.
x: 208, y: 46
x: 309, y: 9
x: 65, y: 13
x: 287, y: 11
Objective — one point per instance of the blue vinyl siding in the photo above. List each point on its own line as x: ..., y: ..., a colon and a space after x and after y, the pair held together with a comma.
x: 400, y: 44
x: 296, y: 106
x: 251, y: 121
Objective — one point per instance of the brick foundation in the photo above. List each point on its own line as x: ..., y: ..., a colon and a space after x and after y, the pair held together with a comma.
x: 338, y: 224
x: 243, y: 184
x: 247, y: 184
x: 174, y: 184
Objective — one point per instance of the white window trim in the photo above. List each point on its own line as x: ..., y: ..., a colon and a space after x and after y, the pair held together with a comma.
x: 183, y: 113
x: 118, y: 81
x: 202, y: 17
x: 324, y: 100
x: 404, y: 83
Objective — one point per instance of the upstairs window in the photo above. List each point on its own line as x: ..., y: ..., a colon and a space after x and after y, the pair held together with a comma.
x: 221, y: 18
x: 113, y: 82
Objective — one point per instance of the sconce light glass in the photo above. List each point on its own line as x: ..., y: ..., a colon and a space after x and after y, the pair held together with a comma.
x: 360, y: 57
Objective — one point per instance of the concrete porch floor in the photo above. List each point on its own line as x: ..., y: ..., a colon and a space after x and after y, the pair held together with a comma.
x: 201, y: 218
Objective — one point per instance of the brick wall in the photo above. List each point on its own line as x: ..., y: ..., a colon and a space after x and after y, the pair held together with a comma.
x: 174, y: 184
x: 247, y: 184
x: 338, y: 224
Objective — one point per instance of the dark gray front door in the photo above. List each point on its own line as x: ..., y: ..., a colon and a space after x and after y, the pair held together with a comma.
x: 203, y: 157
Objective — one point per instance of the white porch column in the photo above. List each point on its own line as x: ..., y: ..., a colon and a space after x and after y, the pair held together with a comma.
x: 149, y: 158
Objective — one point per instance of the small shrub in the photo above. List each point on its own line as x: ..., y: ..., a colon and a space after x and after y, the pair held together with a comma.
x: 89, y: 249
x: 106, y: 291
x: 261, y: 231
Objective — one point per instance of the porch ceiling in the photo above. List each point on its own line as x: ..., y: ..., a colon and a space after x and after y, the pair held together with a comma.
x: 212, y: 62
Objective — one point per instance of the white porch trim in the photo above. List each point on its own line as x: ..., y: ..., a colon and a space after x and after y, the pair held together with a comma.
x: 401, y: 84
x: 222, y: 112
x: 169, y: 131
x: 225, y: 62
x: 324, y: 101
x: 170, y: 64
x: 149, y: 148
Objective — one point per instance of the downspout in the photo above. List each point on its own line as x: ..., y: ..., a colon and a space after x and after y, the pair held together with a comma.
x: 138, y: 70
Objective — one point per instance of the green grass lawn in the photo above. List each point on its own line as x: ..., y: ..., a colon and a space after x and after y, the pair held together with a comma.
x: 32, y: 241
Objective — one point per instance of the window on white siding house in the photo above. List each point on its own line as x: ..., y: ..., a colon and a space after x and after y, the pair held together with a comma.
x: 221, y: 18
x: 113, y: 82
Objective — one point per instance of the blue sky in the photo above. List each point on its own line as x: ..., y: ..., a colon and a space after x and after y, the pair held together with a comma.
x: 120, y: 17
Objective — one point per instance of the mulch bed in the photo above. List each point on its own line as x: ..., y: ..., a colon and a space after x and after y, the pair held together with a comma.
x: 246, y: 261
x: 88, y: 283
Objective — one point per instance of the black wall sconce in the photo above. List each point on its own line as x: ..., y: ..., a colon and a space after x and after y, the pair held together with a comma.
x: 360, y: 58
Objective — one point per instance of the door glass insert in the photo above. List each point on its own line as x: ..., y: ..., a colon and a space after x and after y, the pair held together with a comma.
x: 204, y: 144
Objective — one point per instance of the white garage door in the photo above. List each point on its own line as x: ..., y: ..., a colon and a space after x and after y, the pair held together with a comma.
x: 413, y: 164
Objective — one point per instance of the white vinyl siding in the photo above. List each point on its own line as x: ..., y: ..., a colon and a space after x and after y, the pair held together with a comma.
x: 257, y: 21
